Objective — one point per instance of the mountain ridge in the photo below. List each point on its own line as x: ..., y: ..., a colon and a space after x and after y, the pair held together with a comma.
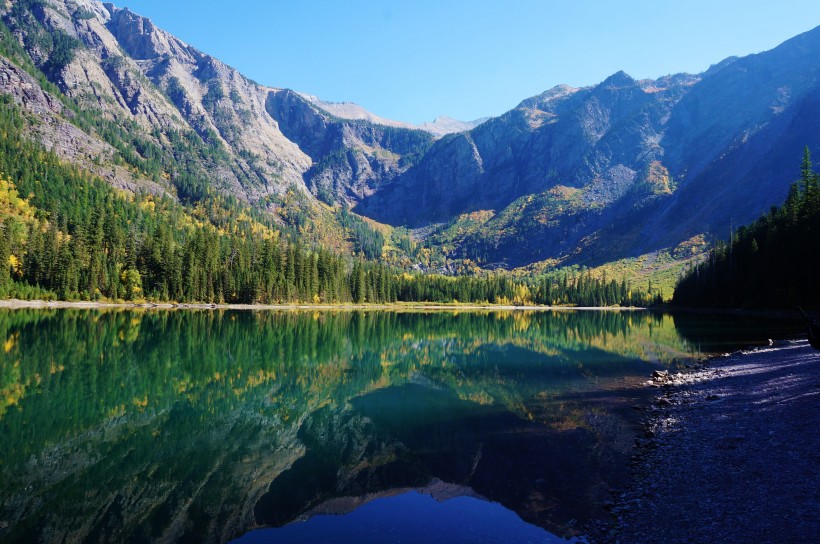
x: 606, y: 143
x: 572, y: 175
x: 440, y: 126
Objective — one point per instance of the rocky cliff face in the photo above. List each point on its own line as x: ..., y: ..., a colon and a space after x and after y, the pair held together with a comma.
x: 215, y: 100
x: 129, y: 71
x: 351, y: 157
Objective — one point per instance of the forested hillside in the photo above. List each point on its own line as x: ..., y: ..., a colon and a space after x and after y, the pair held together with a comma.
x: 136, y: 166
x: 772, y: 263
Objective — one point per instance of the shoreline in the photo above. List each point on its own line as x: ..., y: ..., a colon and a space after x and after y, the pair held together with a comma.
x: 730, y: 452
x: 17, y: 304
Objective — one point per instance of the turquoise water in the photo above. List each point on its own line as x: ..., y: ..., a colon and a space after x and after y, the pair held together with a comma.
x: 207, y: 426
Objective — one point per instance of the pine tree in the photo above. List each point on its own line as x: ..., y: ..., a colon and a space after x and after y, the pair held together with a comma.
x: 360, y: 283
x: 807, y: 175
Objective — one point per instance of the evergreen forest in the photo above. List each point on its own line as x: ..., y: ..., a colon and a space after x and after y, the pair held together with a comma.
x: 772, y: 263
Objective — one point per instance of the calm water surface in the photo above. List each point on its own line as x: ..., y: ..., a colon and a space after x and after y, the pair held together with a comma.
x: 326, y: 426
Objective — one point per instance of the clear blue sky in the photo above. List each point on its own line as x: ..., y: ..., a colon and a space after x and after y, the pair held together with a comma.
x: 412, y: 60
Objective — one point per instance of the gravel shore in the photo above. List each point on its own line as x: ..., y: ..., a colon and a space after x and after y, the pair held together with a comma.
x: 731, y: 453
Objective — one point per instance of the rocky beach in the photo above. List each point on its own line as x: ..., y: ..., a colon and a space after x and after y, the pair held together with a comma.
x: 731, y: 453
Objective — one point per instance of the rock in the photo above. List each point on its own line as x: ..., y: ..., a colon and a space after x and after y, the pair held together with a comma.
x: 660, y: 374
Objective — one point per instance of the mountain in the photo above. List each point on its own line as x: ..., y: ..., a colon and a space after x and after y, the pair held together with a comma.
x: 443, y: 125
x: 547, y: 170
x: 572, y: 176
x: 440, y: 126
x: 622, y: 168
x: 145, y: 110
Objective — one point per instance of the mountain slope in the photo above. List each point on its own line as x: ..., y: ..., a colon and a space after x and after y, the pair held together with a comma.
x: 350, y: 156
x: 573, y: 176
x: 120, y: 65
x: 547, y: 169
x: 622, y: 168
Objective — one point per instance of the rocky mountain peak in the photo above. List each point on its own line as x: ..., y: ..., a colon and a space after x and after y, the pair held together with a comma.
x: 138, y: 36
x: 443, y: 125
x: 555, y: 93
x: 617, y: 80
x: 666, y: 83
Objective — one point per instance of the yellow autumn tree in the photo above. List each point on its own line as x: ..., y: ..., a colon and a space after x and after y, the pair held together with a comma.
x: 131, y: 283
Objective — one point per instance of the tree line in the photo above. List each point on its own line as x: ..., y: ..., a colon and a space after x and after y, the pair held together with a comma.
x: 582, y: 289
x: 772, y: 263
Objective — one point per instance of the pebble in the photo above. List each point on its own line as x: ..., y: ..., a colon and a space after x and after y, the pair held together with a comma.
x: 707, y: 445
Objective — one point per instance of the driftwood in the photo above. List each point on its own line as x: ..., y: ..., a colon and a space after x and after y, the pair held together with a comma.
x: 813, y: 327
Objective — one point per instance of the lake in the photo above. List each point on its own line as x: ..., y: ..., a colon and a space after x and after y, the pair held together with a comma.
x: 332, y: 426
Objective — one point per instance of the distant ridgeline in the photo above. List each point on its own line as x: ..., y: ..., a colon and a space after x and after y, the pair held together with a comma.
x: 772, y: 263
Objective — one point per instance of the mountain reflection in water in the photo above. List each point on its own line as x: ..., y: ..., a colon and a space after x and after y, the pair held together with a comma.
x: 196, y: 425
x: 411, y: 518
